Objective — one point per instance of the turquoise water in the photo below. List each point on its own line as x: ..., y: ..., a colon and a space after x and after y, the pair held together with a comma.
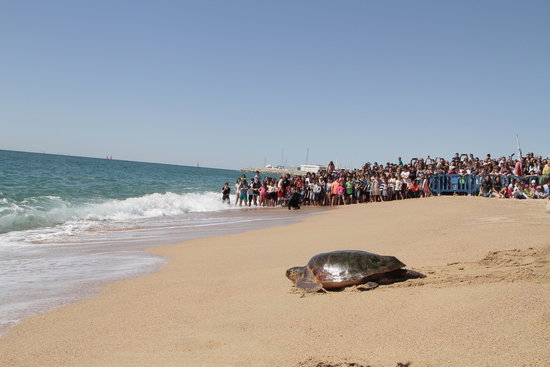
x: 71, y: 224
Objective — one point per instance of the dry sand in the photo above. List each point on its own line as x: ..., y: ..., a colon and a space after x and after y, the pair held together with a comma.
x: 225, y: 301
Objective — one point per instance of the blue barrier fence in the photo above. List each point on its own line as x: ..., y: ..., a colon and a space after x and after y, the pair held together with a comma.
x: 468, y: 184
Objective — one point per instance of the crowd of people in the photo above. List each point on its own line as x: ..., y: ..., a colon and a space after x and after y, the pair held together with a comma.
x: 527, y: 178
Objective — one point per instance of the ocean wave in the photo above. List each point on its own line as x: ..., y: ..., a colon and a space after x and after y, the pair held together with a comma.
x: 49, y: 211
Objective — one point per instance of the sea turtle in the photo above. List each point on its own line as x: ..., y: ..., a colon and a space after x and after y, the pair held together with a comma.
x: 339, y: 269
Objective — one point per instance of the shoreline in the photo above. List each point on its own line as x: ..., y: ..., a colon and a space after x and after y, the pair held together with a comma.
x: 82, y: 267
x: 224, y: 300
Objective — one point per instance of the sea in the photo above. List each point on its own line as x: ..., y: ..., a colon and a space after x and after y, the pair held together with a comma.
x: 69, y: 225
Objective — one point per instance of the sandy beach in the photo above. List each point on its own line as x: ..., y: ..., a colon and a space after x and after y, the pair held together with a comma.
x: 225, y: 301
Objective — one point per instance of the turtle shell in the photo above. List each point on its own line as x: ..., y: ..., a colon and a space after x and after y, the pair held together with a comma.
x: 343, y: 268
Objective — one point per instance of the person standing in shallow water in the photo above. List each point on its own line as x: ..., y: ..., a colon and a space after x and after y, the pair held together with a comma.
x: 243, y: 190
x: 226, y: 192
x: 237, y: 190
x: 255, y: 187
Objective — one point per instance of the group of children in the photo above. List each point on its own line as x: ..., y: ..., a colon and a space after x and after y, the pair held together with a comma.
x: 492, y: 187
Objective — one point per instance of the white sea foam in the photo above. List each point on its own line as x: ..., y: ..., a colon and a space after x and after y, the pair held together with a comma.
x: 43, y: 213
x: 157, y: 205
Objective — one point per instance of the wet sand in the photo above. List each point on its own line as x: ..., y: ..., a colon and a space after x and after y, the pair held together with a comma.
x: 224, y: 301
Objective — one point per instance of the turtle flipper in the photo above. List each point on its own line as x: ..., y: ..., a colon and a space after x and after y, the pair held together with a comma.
x: 308, y: 285
x: 399, y: 275
x: 411, y: 274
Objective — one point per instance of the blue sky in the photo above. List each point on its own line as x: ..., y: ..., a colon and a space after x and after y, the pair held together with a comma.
x: 233, y: 84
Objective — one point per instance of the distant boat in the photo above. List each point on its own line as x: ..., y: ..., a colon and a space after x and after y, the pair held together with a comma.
x: 109, y: 157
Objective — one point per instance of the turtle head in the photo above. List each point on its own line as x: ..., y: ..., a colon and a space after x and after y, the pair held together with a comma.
x: 295, y: 273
